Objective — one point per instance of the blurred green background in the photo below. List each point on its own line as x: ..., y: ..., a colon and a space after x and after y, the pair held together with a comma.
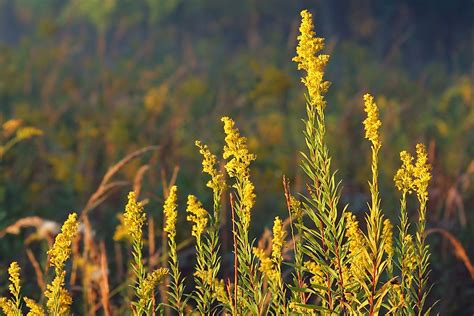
x: 103, y: 78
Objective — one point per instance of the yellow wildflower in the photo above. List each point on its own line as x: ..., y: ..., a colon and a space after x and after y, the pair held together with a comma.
x: 121, y: 231
x: 238, y: 167
x: 387, y: 237
x: 266, y: 265
x: 198, y: 215
x: 59, y: 300
x: 404, y: 177
x: 409, y: 260
x: 209, y: 161
x: 14, y: 273
x: 277, y: 242
x: 28, y: 132
x: 35, y: 308
x: 134, y: 218
x: 148, y: 286
x: 317, y: 277
x: 61, y: 249
x: 308, y: 59
x: 171, y: 213
x: 372, y: 122
x: 421, y: 172
x: 219, y: 291
x: 356, y: 247
x: 8, y: 307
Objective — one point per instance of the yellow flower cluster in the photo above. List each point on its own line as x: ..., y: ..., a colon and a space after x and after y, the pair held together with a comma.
x: 14, y: 278
x: 277, y: 241
x: 409, y: 260
x: 198, y: 215
x: 266, y: 265
x: 35, y: 308
x: 8, y: 307
x: 308, y: 59
x: 357, y: 247
x: 387, y: 237
x: 219, y: 291
x: 61, y: 249
x: 171, y: 213
x: 209, y: 161
x: 414, y: 176
x: 317, y: 274
x: 28, y: 132
x: 421, y: 172
x: 238, y: 167
x: 134, y: 218
x: 121, y: 231
x: 403, y: 178
x: 59, y: 300
x: 296, y: 209
x: 148, y: 286
x: 372, y: 122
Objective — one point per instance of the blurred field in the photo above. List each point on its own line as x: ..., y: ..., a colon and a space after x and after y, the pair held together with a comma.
x: 105, y: 78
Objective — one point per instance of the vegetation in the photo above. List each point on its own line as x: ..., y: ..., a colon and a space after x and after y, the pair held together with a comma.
x: 100, y: 79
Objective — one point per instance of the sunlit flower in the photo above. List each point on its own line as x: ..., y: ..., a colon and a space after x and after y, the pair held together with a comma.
x: 61, y: 249
x: 198, y: 215
x: 372, y: 122
x: 134, y: 218
x: 171, y: 213
x: 35, y: 308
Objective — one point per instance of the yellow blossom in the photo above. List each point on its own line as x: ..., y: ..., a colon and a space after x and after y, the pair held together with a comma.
x: 277, y: 242
x: 59, y: 300
x: 409, y: 260
x: 308, y: 59
x: 421, y: 172
x: 219, y: 291
x: 171, y: 213
x: 149, y: 284
x: 295, y: 208
x: 238, y: 167
x: 14, y: 278
x: 357, y: 246
x: 61, y: 249
x: 372, y: 122
x: 266, y: 265
x: 198, y: 215
x: 28, y: 132
x: 8, y: 307
x: 35, y: 308
x: 209, y: 161
x: 387, y: 237
x: 134, y: 218
x: 317, y: 277
x: 404, y: 177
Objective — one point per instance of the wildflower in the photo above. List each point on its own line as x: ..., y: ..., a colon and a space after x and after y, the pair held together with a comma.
x: 317, y: 277
x: 8, y: 307
x: 14, y: 273
x: 219, y: 292
x: 28, y: 132
x: 356, y: 247
x: 387, y: 237
x: 61, y: 249
x: 171, y: 213
x: 277, y: 242
x: 35, y: 308
x: 59, y: 300
x: 409, y: 260
x: 148, y: 286
x: 134, y: 218
x: 372, y: 122
x: 198, y: 215
x: 238, y: 167
x: 209, y: 161
x: 266, y: 265
x: 421, y: 172
x: 404, y: 177
x: 308, y: 59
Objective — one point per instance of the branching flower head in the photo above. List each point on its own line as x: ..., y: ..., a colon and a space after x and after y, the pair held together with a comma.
x: 134, y: 218
x: 198, y: 215
x: 357, y: 247
x: 58, y: 298
x: 308, y: 59
x: 404, y: 177
x: 171, y: 213
x: 35, y: 308
x: 209, y: 161
x: 149, y: 284
x: 14, y: 278
x: 61, y: 249
x: 372, y: 122
x: 277, y: 241
x: 421, y: 172
x: 266, y: 265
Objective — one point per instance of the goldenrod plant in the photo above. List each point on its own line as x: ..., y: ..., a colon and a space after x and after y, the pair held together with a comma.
x: 338, y: 265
